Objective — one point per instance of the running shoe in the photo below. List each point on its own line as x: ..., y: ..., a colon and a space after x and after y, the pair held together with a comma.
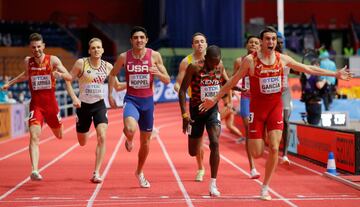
x: 142, y: 181
x: 35, y: 176
x: 129, y: 145
x: 96, y: 178
x: 265, y: 196
x: 285, y: 160
x: 254, y: 174
x: 199, y: 175
x: 213, y: 190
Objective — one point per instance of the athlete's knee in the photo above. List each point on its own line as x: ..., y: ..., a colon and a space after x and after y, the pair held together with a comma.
x: 34, y: 139
x: 129, y: 131
x: 214, y: 146
x: 256, y: 154
x: 101, y: 139
x: 273, y: 149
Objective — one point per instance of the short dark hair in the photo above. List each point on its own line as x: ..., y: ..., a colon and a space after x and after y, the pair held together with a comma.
x: 138, y: 29
x: 249, y: 38
x: 267, y: 29
x: 213, y: 51
x: 35, y: 37
x: 197, y: 34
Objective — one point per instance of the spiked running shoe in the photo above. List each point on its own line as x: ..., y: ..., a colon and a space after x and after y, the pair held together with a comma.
x: 199, y: 175
x: 254, y: 174
x: 35, y: 176
x: 96, y: 178
x: 142, y: 181
x: 213, y: 191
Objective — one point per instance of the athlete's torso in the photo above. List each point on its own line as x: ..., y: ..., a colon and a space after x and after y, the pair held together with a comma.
x: 41, y: 80
x: 138, y: 77
x: 267, y: 80
x: 91, y: 82
x: 205, y: 84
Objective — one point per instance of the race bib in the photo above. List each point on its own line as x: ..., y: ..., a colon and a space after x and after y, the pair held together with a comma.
x: 247, y: 82
x: 94, y: 90
x: 139, y: 81
x: 270, y: 85
x: 41, y: 82
x: 209, y: 91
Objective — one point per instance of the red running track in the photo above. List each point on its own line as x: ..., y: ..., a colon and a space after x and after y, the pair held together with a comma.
x: 67, y: 167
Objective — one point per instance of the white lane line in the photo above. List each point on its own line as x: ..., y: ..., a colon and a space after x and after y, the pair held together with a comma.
x: 41, y: 169
x: 41, y: 142
x: 47, y: 165
x: 108, y: 166
x: 257, y: 181
x: 172, y: 166
x: 292, y: 162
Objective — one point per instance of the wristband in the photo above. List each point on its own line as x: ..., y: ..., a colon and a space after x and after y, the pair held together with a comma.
x: 185, y: 115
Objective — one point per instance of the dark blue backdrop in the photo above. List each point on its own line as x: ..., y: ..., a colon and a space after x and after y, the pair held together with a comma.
x: 220, y: 20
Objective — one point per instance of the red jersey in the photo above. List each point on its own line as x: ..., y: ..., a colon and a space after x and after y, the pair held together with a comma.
x: 138, y: 77
x: 267, y: 79
x: 41, y: 81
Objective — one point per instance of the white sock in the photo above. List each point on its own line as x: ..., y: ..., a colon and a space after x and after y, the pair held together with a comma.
x: 265, y: 188
x: 213, y: 181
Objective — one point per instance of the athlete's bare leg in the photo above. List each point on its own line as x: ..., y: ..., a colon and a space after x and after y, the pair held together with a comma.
x: 130, y: 127
x: 35, y: 131
x: 229, y: 121
x: 272, y: 161
x: 200, y: 155
x: 286, y: 132
x: 214, y: 133
x: 143, y: 151
x: 101, y: 145
x: 254, y: 174
x: 58, y: 132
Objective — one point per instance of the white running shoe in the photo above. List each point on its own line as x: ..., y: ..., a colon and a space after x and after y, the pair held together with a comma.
x: 129, y: 145
x: 96, y: 178
x: 265, y: 196
x: 199, y: 175
x: 254, y: 174
x: 142, y: 181
x: 35, y: 176
x: 285, y: 160
x: 213, y: 191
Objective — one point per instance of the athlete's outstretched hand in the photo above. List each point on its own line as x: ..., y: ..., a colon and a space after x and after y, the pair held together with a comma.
x: 344, y: 74
x: 154, y: 70
x: 5, y: 87
x: 57, y: 74
x: 207, y: 104
x: 112, y: 102
x: 187, y: 121
x: 76, y: 103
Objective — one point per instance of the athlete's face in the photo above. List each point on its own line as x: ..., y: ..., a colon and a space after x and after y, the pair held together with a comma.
x: 95, y: 49
x: 253, y: 44
x: 199, y: 44
x: 212, y: 61
x: 139, y: 40
x: 269, y: 41
x: 37, y: 48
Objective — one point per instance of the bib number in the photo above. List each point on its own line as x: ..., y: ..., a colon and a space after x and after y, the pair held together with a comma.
x: 139, y: 81
x: 209, y: 91
x: 270, y: 85
x: 41, y: 82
